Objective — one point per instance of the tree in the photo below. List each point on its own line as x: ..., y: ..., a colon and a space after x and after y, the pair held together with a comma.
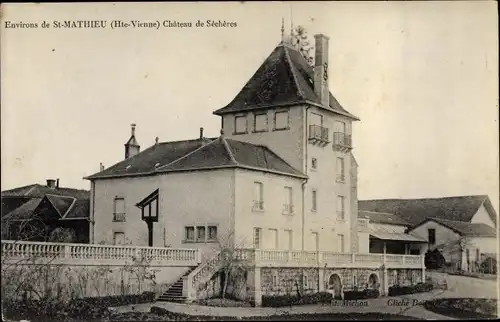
x: 62, y: 235
x: 434, y: 259
x: 301, y: 41
x: 232, y: 265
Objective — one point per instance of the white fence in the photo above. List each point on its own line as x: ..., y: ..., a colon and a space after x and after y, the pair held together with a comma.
x: 74, y: 254
x: 286, y: 258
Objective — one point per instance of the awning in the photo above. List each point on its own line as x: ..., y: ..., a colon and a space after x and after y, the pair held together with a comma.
x: 397, y: 237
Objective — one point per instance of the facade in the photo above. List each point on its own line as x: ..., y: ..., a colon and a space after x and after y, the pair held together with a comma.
x: 462, y: 228
x: 281, y: 176
x: 463, y: 245
x: 279, y: 185
x: 33, y: 212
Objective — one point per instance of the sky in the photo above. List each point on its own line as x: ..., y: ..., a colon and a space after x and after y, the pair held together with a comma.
x: 421, y: 76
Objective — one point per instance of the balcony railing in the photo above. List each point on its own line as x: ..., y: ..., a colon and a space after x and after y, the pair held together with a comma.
x: 341, y: 178
x: 340, y: 215
x: 288, y: 209
x: 66, y: 253
x: 119, y: 217
x: 363, y: 225
x: 342, y: 141
x: 318, y: 134
x: 258, y: 205
x: 292, y: 258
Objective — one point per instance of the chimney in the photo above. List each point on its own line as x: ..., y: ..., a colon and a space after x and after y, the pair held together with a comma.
x: 101, y: 167
x: 57, y: 183
x: 132, y: 147
x: 201, y: 133
x: 157, y: 140
x: 51, y: 183
x: 132, y: 126
x: 321, y: 69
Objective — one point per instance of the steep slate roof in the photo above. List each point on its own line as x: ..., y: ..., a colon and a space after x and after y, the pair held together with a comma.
x: 38, y: 190
x: 464, y: 228
x: 24, y: 202
x: 382, y: 218
x: 414, y: 211
x: 284, y: 78
x: 197, y: 155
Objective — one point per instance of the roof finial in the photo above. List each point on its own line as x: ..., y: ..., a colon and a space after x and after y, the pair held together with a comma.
x: 282, y: 30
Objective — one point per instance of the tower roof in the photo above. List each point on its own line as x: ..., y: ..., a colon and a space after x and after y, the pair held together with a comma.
x: 284, y: 78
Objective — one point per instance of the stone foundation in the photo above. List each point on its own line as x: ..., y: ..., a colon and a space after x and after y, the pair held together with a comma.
x: 289, y: 280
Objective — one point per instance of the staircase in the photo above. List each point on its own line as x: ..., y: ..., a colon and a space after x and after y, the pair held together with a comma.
x: 174, y: 292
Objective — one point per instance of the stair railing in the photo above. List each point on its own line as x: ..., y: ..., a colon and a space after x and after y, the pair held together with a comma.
x: 193, y: 280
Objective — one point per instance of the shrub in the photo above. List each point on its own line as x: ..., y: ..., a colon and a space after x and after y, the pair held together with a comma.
x: 288, y: 300
x: 403, y: 290
x: 361, y: 295
x: 52, y: 309
x: 434, y: 259
x: 489, y: 266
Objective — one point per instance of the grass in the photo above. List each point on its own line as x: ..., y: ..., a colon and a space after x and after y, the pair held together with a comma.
x: 219, y: 302
x: 159, y: 314
x: 464, y: 308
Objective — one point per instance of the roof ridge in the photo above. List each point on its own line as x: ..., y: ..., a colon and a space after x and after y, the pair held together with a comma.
x: 69, y: 208
x: 424, y: 198
x: 294, y: 75
x: 186, y: 155
x: 31, y: 189
x: 54, y: 206
x: 229, y: 151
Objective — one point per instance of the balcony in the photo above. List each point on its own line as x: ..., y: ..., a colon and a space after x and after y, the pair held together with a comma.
x: 318, y: 135
x: 342, y: 142
x: 288, y: 209
x: 119, y: 217
x: 258, y: 206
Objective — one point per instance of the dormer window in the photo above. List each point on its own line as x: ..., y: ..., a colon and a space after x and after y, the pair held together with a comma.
x: 281, y: 120
x: 240, y: 124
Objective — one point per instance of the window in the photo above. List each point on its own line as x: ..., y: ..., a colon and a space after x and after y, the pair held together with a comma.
x: 275, y: 280
x: 281, y: 120
x: 341, y: 243
x: 305, y: 280
x: 289, y: 239
x: 260, y: 122
x: 432, y: 236
x: 314, y: 200
x: 354, y: 280
x: 314, y: 163
x: 240, y: 124
x: 340, y: 207
x: 316, y: 119
x: 119, y: 238
x: 119, y: 209
x: 200, y: 234
x: 315, y: 241
x: 212, y: 233
x: 257, y: 237
x: 340, y: 170
x: 478, y: 254
x: 258, y: 199
x: 273, y: 238
x: 288, y: 205
x: 189, y: 234
x: 339, y: 127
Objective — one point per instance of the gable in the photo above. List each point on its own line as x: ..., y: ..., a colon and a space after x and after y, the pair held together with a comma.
x: 482, y: 216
